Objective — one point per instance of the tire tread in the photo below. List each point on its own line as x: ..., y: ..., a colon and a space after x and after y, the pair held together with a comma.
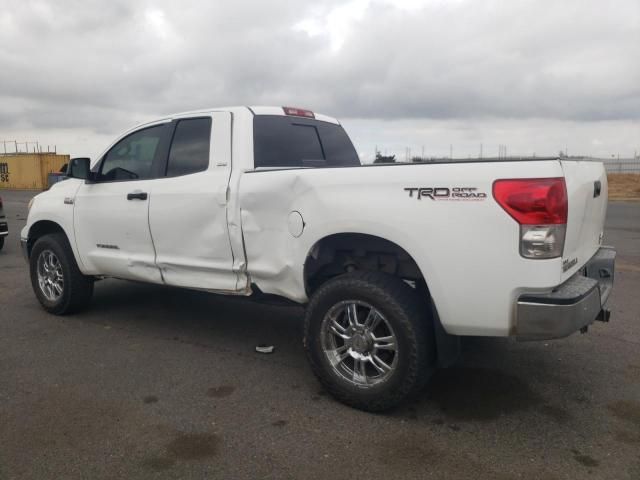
x: 78, y: 287
x: 405, y: 305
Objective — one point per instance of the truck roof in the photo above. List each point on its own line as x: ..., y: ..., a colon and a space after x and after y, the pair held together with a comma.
x: 257, y: 110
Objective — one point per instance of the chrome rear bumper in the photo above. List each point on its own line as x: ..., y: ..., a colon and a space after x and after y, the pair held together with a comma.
x: 570, y: 307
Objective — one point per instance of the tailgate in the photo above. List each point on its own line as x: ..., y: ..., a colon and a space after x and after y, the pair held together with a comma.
x: 587, y: 194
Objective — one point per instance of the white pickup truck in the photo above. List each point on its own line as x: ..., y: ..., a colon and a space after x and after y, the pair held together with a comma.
x: 393, y: 262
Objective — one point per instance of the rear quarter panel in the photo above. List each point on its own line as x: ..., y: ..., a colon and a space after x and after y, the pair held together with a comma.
x: 467, y: 250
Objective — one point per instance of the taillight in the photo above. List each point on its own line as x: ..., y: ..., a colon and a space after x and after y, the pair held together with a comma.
x: 540, y: 206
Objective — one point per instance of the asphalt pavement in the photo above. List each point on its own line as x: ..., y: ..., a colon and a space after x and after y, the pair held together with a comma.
x: 165, y: 383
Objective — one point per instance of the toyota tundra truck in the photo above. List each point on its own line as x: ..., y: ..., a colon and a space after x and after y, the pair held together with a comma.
x: 393, y: 262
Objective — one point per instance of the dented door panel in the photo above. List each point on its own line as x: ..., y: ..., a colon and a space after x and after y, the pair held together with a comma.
x: 188, y: 218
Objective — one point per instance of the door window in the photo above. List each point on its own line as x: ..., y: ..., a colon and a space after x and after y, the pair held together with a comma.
x: 132, y: 157
x: 190, y: 147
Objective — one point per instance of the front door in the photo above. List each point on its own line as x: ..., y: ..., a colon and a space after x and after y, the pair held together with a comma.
x: 111, y: 215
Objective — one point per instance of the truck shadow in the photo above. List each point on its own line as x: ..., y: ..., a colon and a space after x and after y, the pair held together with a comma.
x: 482, y: 387
x: 201, y: 318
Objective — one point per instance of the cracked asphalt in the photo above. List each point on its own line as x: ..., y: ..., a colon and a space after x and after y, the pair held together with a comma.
x: 165, y: 383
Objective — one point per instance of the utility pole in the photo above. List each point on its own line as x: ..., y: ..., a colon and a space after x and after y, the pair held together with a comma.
x: 450, y: 151
x: 480, y: 150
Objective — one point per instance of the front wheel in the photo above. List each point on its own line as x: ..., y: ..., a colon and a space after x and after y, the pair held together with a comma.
x: 369, y: 339
x: 56, y: 280
x: 1, y: 242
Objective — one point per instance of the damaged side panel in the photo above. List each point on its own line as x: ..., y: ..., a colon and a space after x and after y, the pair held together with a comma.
x: 112, y: 233
x: 188, y: 220
x: 272, y: 251
x: 437, y: 233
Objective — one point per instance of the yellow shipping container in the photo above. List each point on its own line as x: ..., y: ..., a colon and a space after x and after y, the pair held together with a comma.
x: 29, y: 171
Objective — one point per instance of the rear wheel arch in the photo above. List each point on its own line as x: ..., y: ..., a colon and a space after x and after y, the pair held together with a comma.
x: 340, y: 253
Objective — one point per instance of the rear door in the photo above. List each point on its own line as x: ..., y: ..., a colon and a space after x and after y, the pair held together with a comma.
x: 188, y: 212
x: 587, y: 195
x: 111, y: 215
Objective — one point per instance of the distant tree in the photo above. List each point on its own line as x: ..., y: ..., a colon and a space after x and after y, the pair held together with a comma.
x: 384, y: 158
x: 417, y: 159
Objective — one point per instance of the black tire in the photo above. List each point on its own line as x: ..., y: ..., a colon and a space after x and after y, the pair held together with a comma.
x: 403, y: 311
x: 1, y: 242
x: 77, y: 289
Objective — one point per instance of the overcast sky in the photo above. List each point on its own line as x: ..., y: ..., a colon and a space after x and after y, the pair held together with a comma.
x: 539, y: 76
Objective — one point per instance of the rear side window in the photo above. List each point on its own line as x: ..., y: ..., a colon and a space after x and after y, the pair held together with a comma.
x: 284, y: 141
x: 189, y: 151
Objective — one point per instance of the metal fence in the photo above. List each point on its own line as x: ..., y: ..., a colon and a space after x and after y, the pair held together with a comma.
x: 13, y: 147
x: 627, y: 165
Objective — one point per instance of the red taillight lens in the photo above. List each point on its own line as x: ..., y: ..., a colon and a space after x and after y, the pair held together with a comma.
x: 533, y: 201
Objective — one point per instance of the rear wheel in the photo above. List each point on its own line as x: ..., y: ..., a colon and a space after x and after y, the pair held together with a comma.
x: 368, y: 339
x: 56, y: 280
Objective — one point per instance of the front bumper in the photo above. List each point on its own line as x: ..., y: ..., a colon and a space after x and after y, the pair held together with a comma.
x: 572, y: 306
x: 4, y: 228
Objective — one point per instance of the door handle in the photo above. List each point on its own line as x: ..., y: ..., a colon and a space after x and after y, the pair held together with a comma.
x: 137, y: 196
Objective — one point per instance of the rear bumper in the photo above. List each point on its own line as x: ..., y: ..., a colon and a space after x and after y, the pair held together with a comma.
x: 4, y: 228
x: 572, y: 306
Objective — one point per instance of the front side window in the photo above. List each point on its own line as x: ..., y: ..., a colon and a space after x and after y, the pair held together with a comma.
x: 132, y: 157
x: 190, y: 147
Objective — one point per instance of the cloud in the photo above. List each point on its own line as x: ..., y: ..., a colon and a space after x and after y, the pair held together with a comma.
x: 100, y: 66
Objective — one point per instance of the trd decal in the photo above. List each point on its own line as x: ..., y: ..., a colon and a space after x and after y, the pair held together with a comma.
x: 446, y: 193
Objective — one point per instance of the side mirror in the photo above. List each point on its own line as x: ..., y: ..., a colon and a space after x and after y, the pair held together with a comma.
x: 79, y: 168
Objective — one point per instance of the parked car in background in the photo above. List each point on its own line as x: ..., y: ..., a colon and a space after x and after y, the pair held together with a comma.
x: 393, y: 262
x: 59, y: 176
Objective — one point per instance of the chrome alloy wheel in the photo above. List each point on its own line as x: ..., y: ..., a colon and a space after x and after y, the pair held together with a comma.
x: 359, y: 343
x: 50, y: 276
